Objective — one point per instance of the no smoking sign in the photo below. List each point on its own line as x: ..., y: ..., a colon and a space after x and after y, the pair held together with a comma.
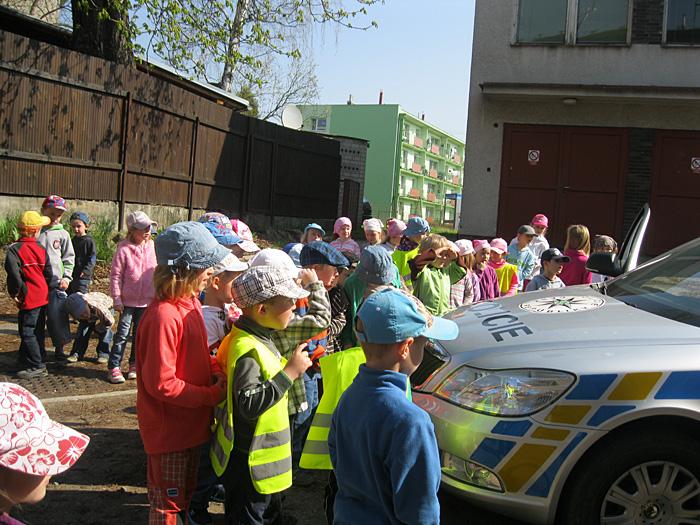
x: 695, y: 164
x: 533, y: 157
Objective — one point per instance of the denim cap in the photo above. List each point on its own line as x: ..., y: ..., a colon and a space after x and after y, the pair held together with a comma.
x: 262, y: 283
x: 391, y: 316
x: 55, y: 202
x: 319, y: 252
x: 278, y: 259
x: 376, y: 266
x: 220, y: 227
x: 188, y: 245
x: 317, y: 226
x: 75, y: 305
x: 416, y: 226
x: 80, y: 216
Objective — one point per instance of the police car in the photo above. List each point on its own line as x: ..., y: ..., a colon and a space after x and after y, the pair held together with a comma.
x: 576, y: 405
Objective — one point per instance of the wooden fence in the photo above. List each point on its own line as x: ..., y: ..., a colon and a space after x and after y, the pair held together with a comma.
x: 89, y: 129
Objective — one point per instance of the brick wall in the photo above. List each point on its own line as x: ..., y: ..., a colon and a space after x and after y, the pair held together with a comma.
x: 647, y: 21
x: 639, y: 168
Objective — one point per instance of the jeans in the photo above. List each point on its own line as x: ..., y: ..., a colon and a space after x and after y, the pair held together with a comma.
x: 57, y: 320
x: 82, y: 339
x: 244, y: 504
x: 31, y: 330
x: 302, y: 421
x: 206, y: 480
x: 129, y: 319
x: 78, y: 285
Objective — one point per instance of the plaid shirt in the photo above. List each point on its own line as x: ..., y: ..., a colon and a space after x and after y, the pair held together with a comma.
x: 300, y: 329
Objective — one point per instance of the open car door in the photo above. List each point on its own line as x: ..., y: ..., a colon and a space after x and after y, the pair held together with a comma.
x: 627, y: 258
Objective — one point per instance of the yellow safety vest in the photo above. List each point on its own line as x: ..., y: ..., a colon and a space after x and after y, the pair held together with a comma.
x: 338, y: 371
x: 401, y: 260
x: 270, y: 456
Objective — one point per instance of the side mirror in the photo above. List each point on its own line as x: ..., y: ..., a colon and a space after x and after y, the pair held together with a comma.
x: 604, y: 263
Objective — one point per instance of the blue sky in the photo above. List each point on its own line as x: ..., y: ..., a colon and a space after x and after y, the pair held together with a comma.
x: 420, y: 56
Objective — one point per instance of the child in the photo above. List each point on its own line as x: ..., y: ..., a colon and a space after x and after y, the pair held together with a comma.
x: 178, y: 380
x: 416, y: 229
x: 507, y: 273
x: 603, y: 243
x: 578, y: 247
x: 246, y: 247
x: 552, y: 261
x: 85, y: 253
x: 32, y: 449
x: 341, y: 239
x: 539, y: 244
x: 394, y: 229
x: 373, y: 232
x: 94, y: 312
x: 488, y: 280
x: 28, y: 274
x: 349, y: 269
x: 385, y: 457
x: 220, y: 227
x: 433, y: 271
x: 255, y: 460
x: 312, y: 232
x: 131, y: 287
x: 56, y: 241
x: 375, y: 270
x: 466, y: 290
x: 520, y: 255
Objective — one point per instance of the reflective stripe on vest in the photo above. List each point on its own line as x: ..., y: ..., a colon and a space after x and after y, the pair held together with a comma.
x: 270, y: 455
x: 338, y: 371
x: 401, y: 260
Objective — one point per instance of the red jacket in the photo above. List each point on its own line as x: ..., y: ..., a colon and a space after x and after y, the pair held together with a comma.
x: 175, y: 391
x: 28, y: 273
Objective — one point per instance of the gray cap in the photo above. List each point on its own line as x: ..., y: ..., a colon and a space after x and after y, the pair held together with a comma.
x: 188, y: 245
x: 526, y: 229
x: 376, y: 266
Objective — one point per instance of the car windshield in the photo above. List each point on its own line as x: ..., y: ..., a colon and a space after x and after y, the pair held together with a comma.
x: 668, y: 286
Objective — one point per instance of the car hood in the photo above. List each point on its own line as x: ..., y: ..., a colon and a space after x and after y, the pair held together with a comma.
x: 560, y: 326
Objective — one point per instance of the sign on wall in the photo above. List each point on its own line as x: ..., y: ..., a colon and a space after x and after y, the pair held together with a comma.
x: 533, y: 157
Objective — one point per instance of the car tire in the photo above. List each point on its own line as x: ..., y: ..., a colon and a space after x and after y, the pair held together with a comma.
x: 640, y: 477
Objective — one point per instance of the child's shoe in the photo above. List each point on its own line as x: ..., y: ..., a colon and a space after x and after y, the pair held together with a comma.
x: 115, y: 376
x: 31, y: 373
x: 73, y: 358
x: 132, y: 372
x: 219, y: 494
x: 102, y: 360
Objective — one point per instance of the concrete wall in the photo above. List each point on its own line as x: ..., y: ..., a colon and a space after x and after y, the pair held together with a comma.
x: 353, y: 166
x: 496, y: 60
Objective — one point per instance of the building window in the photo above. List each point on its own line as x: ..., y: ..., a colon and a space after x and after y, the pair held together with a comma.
x: 683, y: 22
x: 318, y: 124
x: 573, y: 21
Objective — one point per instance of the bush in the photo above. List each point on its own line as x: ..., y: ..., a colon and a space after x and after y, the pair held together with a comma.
x: 8, y: 229
x: 102, y: 230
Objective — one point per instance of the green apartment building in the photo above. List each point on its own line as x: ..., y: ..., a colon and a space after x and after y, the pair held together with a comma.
x: 413, y: 168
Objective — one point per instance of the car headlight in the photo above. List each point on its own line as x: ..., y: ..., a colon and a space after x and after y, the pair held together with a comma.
x: 513, y: 392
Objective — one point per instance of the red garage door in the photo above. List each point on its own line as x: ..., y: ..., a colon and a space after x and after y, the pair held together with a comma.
x: 675, y: 190
x: 573, y: 175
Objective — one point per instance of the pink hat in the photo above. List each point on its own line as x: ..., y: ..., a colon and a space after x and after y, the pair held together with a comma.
x: 30, y: 441
x: 499, y: 245
x: 395, y: 227
x: 340, y: 222
x: 465, y: 247
x: 540, y: 220
x: 480, y: 245
x: 242, y: 230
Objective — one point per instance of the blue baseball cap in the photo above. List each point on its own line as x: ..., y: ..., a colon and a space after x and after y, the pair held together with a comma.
x: 80, y: 216
x: 317, y: 226
x: 416, y: 226
x: 220, y: 227
x: 391, y: 316
x: 319, y: 252
x: 189, y: 245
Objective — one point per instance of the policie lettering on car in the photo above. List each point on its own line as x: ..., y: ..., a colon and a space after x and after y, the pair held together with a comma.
x: 499, y: 321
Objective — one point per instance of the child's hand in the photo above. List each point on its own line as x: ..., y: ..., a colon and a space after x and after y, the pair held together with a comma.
x: 308, y: 276
x: 119, y: 308
x: 18, y: 302
x: 446, y: 253
x: 298, y: 363
x: 221, y: 385
x: 63, y: 285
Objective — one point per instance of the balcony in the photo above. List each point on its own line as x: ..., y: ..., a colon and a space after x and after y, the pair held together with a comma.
x: 417, y: 168
x: 435, y: 149
x: 433, y: 173
x: 457, y: 159
x: 418, y: 142
x: 431, y: 197
x: 451, y: 202
x: 415, y: 193
x: 455, y: 180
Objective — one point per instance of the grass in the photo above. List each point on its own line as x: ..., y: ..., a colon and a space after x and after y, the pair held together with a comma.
x: 8, y: 228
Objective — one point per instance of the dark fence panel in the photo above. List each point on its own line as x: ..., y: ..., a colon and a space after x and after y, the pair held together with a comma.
x: 89, y: 129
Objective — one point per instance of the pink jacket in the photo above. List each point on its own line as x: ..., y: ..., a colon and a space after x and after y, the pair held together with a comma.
x: 131, y: 277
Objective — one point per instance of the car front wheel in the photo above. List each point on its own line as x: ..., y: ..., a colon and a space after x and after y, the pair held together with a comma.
x: 638, y: 479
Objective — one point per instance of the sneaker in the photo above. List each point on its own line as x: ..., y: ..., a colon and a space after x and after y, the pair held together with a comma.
x: 132, y: 372
x: 302, y: 479
x: 200, y: 517
x: 31, y: 373
x: 102, y: 360
x: 73, y: 358
x: 115, y: 376
x: 219, y: 494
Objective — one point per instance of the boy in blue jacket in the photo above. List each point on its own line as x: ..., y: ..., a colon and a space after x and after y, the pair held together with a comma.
x: 382, y: 446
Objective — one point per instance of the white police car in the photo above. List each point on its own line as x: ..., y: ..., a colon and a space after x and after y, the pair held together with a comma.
x: 577, y: 405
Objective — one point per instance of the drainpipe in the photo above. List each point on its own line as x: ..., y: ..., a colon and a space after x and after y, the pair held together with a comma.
x: 397, y: 170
